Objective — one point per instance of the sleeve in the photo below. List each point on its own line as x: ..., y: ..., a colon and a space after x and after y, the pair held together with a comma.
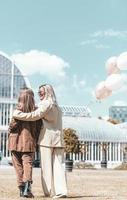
x: 35, y: 115
x: 13, y: 126
x: 39, y: 125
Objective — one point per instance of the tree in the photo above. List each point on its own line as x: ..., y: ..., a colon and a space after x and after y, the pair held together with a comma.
x: 83, y: 148
x: 113, y: 121
x: 71, y: 141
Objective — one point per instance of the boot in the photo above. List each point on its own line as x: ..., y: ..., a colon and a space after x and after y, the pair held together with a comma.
x: 21, y: 190
x: 27, y: 190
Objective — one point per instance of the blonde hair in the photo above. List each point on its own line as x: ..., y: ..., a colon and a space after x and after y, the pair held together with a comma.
x: 49, y: 93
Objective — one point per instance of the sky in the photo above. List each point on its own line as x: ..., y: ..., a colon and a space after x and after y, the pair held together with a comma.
x: 66, y: 43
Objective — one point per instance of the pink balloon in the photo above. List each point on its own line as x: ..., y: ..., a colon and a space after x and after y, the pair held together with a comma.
x: 111, y: 66
x: 101, y: 92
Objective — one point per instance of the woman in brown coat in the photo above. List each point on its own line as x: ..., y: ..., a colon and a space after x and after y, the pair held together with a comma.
x: 23, y: 136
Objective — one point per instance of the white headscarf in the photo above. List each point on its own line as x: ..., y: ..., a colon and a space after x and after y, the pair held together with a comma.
x: 50, y: 94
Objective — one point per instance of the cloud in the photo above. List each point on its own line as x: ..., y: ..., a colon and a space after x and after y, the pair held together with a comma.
x: 82, y: 83
x: 93, y: 94
x: 101, y: 46
x: 87, y: 42
x: 41, y: 62
x: 60, y: 90
x: 94, y: 38
x: 78, y: 84
x: 95, y: 43
x: 110, y: 33
x: 120, y: 103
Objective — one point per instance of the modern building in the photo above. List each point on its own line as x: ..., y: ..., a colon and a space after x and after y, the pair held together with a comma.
x: 118, y: 113
x: 11, y: 81
x: 103, y: 142
x: 76, y: 111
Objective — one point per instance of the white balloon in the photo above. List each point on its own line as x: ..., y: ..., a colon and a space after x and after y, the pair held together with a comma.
x: 123, y: 54
x: 101, y: 92
x: 112, y: 61
x: 122, y: 61
x: 111, y: 66
x: 114, y: 82
x: 100, y: 85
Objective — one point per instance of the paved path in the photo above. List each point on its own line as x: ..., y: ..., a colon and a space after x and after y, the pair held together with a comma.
x: 82, y: 185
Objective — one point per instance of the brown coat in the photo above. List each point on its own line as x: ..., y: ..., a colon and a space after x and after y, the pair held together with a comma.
x: 23, y: 135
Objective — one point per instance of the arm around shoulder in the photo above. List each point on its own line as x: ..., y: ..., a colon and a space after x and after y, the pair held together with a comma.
x: 39, y: 113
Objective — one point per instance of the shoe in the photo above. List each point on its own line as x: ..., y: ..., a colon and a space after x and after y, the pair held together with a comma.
x: 27, y: 190
x: 21, y: 190
x: 60, y: 196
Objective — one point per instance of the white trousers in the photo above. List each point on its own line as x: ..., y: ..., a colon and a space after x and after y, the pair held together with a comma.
x: 52, y: 170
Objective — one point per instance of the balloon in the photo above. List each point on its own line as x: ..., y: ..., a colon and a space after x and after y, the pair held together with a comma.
x: 100, y: 85
x: 111, y: 66
x: 114, y: 82
x: 124, y: 53
x: 101, y: 92
x: 122, y: 61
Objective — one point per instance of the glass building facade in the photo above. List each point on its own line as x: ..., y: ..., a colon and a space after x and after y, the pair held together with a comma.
x: 11, y: 81
x: 118, y: 113
x: 103, y: 142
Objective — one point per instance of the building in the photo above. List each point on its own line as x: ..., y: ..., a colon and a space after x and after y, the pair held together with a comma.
x: 76, y: 111
x: 11, y: 81
x: 103, y: 141
x: 118, y: 113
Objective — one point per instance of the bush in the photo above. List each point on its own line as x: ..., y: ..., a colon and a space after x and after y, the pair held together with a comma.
x: 71, y: 141
x: 83, y: 165
x: 122, y: 167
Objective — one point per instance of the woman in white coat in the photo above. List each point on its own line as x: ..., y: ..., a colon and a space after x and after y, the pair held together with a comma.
x: 50, y: 141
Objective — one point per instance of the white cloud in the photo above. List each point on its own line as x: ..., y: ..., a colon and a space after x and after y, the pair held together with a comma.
x: 41, y: 62
x: 60, y: 90
x: 75, y: 82
x: 95, y: 43
x: 101, y: 46
x: 120, y: 103
x: 93, y: 94
x: 87, y: 42
x: 110, y: 33
x: 78, y: 84
x: 82, y: 83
